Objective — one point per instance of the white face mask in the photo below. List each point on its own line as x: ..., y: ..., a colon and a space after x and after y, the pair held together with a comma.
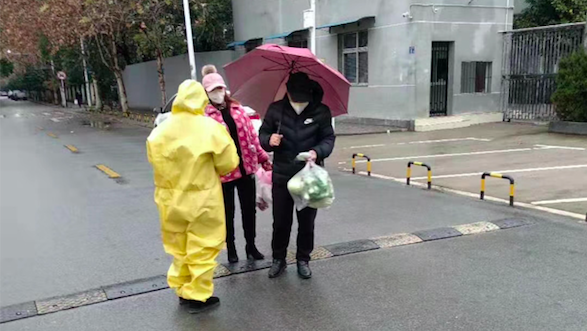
x: 298, y: 106
x: 217, y: 96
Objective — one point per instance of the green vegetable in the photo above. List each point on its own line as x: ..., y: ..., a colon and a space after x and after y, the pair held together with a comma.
x: 295, y: 185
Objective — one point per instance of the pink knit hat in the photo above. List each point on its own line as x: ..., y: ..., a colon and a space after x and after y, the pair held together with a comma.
x: 211, y: 78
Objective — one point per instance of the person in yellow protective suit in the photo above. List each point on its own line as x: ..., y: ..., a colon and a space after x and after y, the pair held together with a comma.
x: 189, y: 152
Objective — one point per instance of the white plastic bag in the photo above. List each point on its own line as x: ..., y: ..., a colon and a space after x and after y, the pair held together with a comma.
x: 264, y: 185
x: 311, y: 187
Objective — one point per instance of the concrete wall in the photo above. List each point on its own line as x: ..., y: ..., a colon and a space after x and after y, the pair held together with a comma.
x: 399, y: 82
x: 142, y: 82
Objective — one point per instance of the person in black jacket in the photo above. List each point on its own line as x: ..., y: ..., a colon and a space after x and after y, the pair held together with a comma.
x: 297, y: 123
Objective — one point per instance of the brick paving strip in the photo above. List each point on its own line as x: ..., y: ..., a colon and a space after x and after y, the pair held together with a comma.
x: 140, y: 286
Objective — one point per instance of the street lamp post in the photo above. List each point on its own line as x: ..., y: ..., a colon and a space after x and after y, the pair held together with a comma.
x: 190, y: 40
x: 313, y: 27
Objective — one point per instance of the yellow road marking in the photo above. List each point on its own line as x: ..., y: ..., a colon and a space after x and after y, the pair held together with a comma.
x: 52, y: 135
x: 111, y: 173
x: 72, y: 148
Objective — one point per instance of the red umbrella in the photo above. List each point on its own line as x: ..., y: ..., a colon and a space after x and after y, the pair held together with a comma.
x: 258, y: 78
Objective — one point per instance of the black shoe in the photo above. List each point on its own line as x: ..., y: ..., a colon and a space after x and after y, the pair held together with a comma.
x: 253, y: 253
x: 277, y: 268
x: 196, y: 307
x: 232, y: 256
x: 304, y: 270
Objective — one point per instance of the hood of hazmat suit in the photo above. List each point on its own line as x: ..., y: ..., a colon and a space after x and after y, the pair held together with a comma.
x: 189, y: 152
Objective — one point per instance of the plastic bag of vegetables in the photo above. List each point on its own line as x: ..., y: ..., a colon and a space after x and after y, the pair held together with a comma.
x: 311, y: 187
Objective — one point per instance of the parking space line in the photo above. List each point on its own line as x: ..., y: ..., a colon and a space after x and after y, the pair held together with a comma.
x: 548, y: 202
x: 364, y: 146
x: 421, y: 142
x: 111, y: 173
x: 432, y: 156
x: 561, y: 147
x: 511, y: 171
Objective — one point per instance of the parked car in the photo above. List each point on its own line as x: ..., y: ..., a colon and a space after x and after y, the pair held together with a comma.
x: 17, y: 95
x: 164, y: 112
x: 3, y: 94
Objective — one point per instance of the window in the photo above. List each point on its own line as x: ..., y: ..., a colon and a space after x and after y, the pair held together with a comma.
x: 354, y: 56
x: 251, y: 44
x: 298, y: 43
x: 476, y: 77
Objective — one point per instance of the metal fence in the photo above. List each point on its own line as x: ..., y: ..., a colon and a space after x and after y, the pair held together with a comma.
x: 531, y: 60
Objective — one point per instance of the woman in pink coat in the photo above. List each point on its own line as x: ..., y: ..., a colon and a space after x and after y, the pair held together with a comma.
x: 231, y: 114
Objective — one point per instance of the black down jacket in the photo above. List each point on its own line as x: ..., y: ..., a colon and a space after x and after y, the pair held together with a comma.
x: 311, y: 130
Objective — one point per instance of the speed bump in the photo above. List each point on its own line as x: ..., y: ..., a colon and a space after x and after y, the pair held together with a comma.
x: 18, y: 311
x: 399, y: 239
x: 474, y: 228
x: 70, y: 301
x: 351, y: 247
x: 247, y: 266
x: 136, y: 287
x: 436, y: 234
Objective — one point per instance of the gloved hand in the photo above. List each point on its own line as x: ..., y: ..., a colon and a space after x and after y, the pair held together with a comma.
x: 307, y: 156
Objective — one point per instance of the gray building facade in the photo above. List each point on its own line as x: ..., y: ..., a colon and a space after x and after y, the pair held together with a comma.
x: 406, y: 59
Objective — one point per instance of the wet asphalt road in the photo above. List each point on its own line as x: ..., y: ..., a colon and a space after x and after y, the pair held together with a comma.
x: 66, y: 227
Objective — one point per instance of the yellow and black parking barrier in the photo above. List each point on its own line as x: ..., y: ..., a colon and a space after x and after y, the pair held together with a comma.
x: 496, y: 175
x: 362, y: 156
x: 409, y: 174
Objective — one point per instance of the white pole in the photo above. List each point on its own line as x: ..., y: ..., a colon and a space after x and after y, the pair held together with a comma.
x: 313, y: 38
x: 86, y: 80
x: 507, y: 16
x: 313, y: 28
x: 190, y: 40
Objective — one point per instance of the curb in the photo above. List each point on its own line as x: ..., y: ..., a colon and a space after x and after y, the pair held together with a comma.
x: 151, y: 284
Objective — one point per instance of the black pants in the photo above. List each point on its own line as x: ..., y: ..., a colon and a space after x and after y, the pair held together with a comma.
x: 283, y: 208
x: 247, y: 198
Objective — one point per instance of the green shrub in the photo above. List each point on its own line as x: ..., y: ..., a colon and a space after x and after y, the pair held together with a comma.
x: 570, y: 97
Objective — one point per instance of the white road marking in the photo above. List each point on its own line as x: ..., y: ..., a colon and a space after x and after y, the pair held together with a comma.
x: 561, y: 147
x: 489, y: 198
x: 421, y: 142
x: 548, y: 202
x: 47, y: 114
x: 511, y: 171
x: 364, y: 146
x: 447, y: 140
x: 17, y: 115
x: 55, y: 120
x: 432, y: 156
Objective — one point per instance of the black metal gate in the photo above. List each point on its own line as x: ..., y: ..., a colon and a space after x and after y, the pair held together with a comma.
x: 531, y: 59
x: 439, y: 79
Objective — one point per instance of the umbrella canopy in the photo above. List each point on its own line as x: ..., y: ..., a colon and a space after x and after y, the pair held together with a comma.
x: 258, y: 78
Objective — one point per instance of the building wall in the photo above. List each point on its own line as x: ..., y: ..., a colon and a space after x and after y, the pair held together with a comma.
x: 399, y: 82
x: 142, y: 81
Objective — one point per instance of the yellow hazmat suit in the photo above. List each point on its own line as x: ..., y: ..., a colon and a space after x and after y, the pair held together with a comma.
x: 189, y: 152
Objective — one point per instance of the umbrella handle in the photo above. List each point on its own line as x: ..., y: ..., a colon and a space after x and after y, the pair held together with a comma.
x: 279, y: 125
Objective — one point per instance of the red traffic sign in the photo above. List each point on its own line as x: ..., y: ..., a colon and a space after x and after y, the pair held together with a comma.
x: 61, y: 75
